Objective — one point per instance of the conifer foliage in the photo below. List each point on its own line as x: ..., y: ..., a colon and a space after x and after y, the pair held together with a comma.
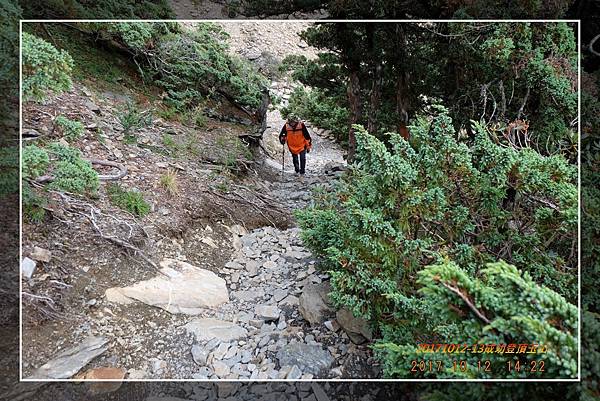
x: 417, y: 222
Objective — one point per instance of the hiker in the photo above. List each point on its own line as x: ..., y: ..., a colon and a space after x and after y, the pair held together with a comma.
x: 295, y: 133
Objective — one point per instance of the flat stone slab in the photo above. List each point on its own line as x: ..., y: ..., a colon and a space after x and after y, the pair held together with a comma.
x: 72, y: 360
x: 182, y: 288
x: 208, y: 328
x: 267, y: 312
x: 309, y: 358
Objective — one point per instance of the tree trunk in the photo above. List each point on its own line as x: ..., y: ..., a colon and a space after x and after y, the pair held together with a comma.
x: 355, y: 111
x: 402, y: 96
x: 376, y: 67
x: 402, y: 104
x: 375, y: 100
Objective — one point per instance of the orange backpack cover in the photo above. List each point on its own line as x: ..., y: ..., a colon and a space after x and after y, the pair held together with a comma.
x: 295, y: 138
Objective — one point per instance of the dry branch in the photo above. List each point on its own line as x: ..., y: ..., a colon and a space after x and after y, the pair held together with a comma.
x: 462, y: 296
x: 74, y: 203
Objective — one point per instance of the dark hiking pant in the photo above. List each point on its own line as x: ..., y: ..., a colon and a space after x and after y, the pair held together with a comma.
x: 299, y: 165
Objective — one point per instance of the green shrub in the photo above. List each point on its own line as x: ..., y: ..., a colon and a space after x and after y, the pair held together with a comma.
x: 169, y: 114
x: 191, y: 63
x: 507, y: 307
x: 132, y: 201
x: 71, y: 129
x: 169, y: 143
x: 35, y: 161
x: 415, y: 204
x: 134, y: 35
x: 45, y: 68
x: 131, y: 119
x: 71, y: 172
x: 33, y: 204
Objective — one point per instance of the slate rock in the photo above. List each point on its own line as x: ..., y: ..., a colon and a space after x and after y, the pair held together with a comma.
x: 27, y: 267
x: 353, y: 325
x: 41, y: 254
x: 200, y: 354
x: 310, y: 358
x: 206, y: 329
x: 181, y: 288
x: 72, y: 360
x: 267, y: 312
x: 314, y: 304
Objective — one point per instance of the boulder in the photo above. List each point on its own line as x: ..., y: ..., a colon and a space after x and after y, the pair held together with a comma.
x: 355, y: 327
x: 238, y: 230
x: 136, y: 374
x: 221, y: 369
x: 314, y: 303
x: 309, y: 358
x: 104, y: 373
x: 289, y: 300
x: 294, y: 374
x: 253, y: 53
x: 92, y: 106
x: 206, y: 329
x: 181, y: 288
x: 252, y: 267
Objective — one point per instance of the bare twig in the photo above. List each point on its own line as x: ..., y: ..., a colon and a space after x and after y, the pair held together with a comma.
x: 462, y: 296
x: 61, y: 284
x: 524, y: 102
x: 120, y: 242
x: 91, y: 216
x: 502, y: 100
x: 544, y: 202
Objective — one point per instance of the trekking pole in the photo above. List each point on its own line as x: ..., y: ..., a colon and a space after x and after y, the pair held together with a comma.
x: 282, y: 160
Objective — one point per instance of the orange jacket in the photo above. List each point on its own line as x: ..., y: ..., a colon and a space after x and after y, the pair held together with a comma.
x: 297, y: 138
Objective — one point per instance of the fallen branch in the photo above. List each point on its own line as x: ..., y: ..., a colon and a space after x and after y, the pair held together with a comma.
x: 120, y: 242
x: 121, y: 167
x: 45, y: 306
x: 523, y: 103
x: 91, y: 216
x: 467, y: 301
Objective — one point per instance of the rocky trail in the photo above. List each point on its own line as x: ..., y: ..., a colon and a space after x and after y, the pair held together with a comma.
x: 236, y: 294
x: 264, y: 314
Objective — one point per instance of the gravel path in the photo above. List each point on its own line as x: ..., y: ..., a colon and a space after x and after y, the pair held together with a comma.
x: 273, y: 318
